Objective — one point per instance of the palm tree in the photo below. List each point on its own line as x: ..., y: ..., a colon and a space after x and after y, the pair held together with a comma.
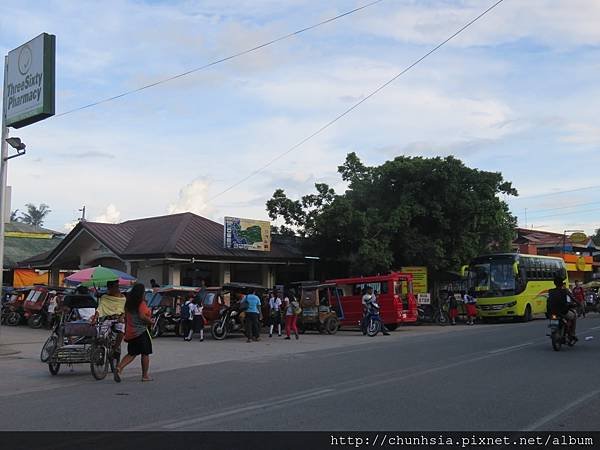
x: 13, y: 215
x: 35, y: 215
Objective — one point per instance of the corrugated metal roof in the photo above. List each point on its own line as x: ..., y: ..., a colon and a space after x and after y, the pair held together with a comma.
x: 177, y: 235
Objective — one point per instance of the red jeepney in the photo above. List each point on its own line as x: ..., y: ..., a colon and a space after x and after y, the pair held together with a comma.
x: 394, y: 294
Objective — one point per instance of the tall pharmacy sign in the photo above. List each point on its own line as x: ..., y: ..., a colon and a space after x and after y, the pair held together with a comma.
x: 27, y: 97
x: 29, y: 82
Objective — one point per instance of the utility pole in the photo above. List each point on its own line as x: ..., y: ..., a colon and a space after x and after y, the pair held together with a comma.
x: 82, y: 218
x: 3, y: 164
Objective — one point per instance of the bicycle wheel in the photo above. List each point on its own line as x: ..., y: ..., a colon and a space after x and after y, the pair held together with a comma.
x: 49, y: 348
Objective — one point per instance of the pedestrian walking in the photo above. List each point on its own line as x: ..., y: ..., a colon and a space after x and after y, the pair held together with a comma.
x: 275, y: 313
x: 471, y: 304
x: 137, y: 319
x: 292, y: 311
x: 452, y: 307
x: 253, y: 315
x: 579, y: 294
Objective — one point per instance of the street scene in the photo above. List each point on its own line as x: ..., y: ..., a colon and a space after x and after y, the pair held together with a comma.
x: 257, y: 224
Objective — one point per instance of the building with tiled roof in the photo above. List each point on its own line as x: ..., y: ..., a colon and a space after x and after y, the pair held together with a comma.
x: 174, y: 249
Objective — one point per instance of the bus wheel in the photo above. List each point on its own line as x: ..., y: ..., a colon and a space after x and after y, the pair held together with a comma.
x: 391, y: 326
x: 528, y: 316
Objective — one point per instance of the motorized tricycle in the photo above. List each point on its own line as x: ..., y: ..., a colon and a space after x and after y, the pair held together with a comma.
x: 322, y: 310
x: 166, y: 309
x: 13, y: 311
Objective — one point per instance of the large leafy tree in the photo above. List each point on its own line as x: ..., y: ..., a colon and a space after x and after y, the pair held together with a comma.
x: 423, y: 211
x: 35, y: 215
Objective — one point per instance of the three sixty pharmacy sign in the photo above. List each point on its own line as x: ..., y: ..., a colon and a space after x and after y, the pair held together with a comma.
x: 29, y: 82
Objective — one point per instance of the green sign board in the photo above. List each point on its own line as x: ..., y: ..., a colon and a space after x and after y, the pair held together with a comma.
x: 29, y: 82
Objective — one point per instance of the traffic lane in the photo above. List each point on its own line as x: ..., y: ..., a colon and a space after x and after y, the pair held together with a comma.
x: 222, y: 388
x: 522, y: 388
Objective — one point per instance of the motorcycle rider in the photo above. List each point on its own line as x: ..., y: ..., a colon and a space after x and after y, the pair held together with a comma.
x: 560, y: 303
x: 367, y: 300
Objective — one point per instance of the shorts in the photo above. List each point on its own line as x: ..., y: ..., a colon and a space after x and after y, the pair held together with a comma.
x: 117, y: 325
x: 141, y: 345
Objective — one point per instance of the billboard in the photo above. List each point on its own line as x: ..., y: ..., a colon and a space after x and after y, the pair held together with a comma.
x: 247, y: 234
x: 29, y: 81
x: 419, y: 278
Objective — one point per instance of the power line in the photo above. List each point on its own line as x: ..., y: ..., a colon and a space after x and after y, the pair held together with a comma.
x: 575, y: 205
x: 356, y: 105
x: 570, y: 213
x: 219, y: 61
x: 548, y: 194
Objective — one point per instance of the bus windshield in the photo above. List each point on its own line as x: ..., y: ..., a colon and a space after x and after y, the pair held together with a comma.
x: 492, y: 278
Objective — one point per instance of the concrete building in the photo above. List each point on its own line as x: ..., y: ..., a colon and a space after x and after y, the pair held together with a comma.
x: 581, y: 257
x: 178, y: 249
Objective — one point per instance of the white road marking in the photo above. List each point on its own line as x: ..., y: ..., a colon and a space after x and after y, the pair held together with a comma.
x: 559, y: 412
x: 270, y: 404
x: 514, y: 347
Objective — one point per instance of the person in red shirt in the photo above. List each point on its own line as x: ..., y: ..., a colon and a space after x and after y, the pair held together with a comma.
x: 579, y: 295
x: 137, y: 319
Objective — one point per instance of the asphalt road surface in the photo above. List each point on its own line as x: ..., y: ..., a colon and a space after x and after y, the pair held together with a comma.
x: 485, y: 377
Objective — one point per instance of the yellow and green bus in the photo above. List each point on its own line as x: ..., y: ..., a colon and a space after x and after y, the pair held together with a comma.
x: 513, y: 285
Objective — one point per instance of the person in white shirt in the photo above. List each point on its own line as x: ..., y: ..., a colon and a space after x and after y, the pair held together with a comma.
x: 197, y: 319
x: 275, y: 313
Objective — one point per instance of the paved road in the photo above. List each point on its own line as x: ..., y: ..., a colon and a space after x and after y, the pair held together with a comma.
x: 488, y: 377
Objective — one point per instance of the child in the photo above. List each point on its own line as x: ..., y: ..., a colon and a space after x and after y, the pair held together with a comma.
x: 197, y: 319
x: 452, y: 307
x: 471, y: 304
x: 187, y: 319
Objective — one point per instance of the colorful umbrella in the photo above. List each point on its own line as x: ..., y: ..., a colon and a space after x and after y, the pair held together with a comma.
x: 98, y: 276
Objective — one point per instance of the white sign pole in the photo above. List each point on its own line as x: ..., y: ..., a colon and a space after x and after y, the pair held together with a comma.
x: 3, y: 164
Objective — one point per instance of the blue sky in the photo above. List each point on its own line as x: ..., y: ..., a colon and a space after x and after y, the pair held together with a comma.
x: 516, y: 93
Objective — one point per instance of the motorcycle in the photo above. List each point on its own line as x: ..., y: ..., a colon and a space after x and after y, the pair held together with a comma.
x: 165, y: 321
x: 592, y: 303
x: 560, y: 332
x: 229, y: 321
x: 371, y: 323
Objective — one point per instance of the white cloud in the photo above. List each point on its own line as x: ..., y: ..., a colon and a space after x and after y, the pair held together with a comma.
x: 582, y: 134
x: 193, y: 198
x: 70, y: 225
x: 110, y: 215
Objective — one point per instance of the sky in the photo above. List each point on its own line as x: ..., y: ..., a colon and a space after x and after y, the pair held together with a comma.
x: 516, y: 93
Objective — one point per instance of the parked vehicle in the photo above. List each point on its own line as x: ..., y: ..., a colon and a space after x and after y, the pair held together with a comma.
x: 560, y: 331
x: 13, y: 311
x: 231, y: 318
x: 394, y: 294
x: 322, y: 310
x: 433, y: 312
x: 512, y: 285
x: 36, y: 305
x: 592, y: 302
x: 166, y: 309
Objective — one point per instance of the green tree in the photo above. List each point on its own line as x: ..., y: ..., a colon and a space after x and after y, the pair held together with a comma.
x: 13, y: 215
x: 423, y: 211
x: 35, y: 215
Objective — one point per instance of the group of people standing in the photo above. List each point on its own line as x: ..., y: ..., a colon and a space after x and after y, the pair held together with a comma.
x: 470, y: 303
x: 279, y: 310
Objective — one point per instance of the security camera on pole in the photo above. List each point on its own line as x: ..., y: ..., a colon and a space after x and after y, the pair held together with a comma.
x: 27, y: 97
